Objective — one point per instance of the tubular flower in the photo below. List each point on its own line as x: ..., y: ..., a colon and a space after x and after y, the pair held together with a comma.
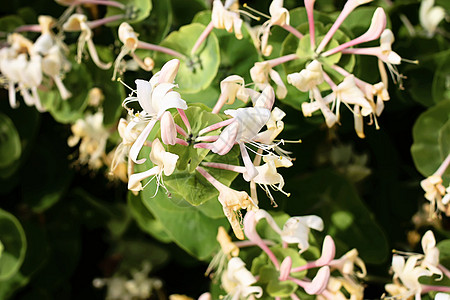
x: 434, y: 192
x: 22, y: 66
x: 296, y: 230
x: 93, y: 136
x: 237, y: 280
x: 130, y: 41
x: 308, y: 78
x: 278, y: 16
x: 165, y: 162
x: 231, y: 87
x: 430, y: 16
x: 260, y: 74
x: 155, y: 97
x: 78, y: 22
x: 226, y: 17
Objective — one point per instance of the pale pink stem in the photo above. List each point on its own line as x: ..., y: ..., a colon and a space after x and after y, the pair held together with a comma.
x: 444, y: 270
x: 202, y: 37
x: 181, y: 130
x: 101, y: 2
x: 29, y: 28
x: 207, y: 138
x: 294, y: 297
x: 328, y: 295
x: 181, y: 142
x: 252, y: 234
x: 185, y: 119
x: 216, y: 126
x: 251, y: 170
x: 443, y: 167
x: 309, y: 5
x: 301, y: 283
x: 148, y: 46
x: 438, y: 288
x: 218, y: 185
x: 360, y: 83
x: 280, y: 60
x: 348, y: 8
x: 242, y: 244
x: 219, y: 104
x: 237, y: 169
x: 100, y: 22
x: 375, y: 51
x: 292, y: 30
x: 329, y: 81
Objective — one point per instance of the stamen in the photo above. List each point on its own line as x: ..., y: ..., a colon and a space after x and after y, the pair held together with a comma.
x: 255, y: 11
x: 122, y: 82
x: 248, y: 14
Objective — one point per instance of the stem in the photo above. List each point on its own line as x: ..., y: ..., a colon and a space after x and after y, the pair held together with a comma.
x: 218, y: 185
x: 148, y: 46
x: 100, y: 22
x: 443, y: 167
x: 375, y: 51
x: 309, y: 5
x: 202, y: 37
x: 438, y: 288
x: 185, y: 119
x: 242, y: 244
x: 329, y: 81
x: 444, y: 270
x: 207, y: 138
x: 280, y: 60
x: 294, y: 296
x: 181, y: 142
x: 181, y: 130
x: 101, y: 2
x: 292, y: 30
x: 219, y: 104
x: 216, y: 126
x: 29, y: 28
x: 237, y: 169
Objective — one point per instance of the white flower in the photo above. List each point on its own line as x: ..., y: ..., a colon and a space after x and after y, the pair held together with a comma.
x: 78, y: 22
x: 307, y: 78
x: 296, y: 230
x: 237, y: 281
x: 431, y: 259
x: 165, y: 162
x: 260, y: 74
x: 430, y: 16
x: 227, y: 17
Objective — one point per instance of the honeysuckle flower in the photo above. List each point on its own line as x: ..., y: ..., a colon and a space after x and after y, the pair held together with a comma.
x: 274, y: 127
x: 52, y: 65
x: 155, y: 97
x: 349, y: 6
x: 205, y: 296
x: 231, y: 87
x: 296, y: 230
x: 93, y: 136
x: 232, y: 202
x: 431, y: 252
x: 335, y: 286
x: 238, y: 281
x: 434, y: 191
x: 409, y: 274
x: 346, y: 264
x: 261, y: 72
x: 430, y: 16
x: 78, y: 22
x: 442, y: 296
x: 130, y: 41
x: 278, y: 16
x: 307, y: 78
x: 165, y: 162
x: 226, y: 17
x: 46, y: 40
x: 228, y: 247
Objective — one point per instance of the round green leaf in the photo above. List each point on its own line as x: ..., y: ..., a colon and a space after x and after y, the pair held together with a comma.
x: 67, y: 111
x: 431, y: 134
x: 14, y: 243
x: 135, y: 11
x: 10, y: 147
x: 196, y: 72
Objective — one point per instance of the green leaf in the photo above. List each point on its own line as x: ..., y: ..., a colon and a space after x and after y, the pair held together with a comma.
x: 441, y: 80
x: 196, y: 72
x: 10, y: 146
x: 444, y: 253
x: 14, y: 243
x: 54, y: 175
x: 187, y: 226
x: 135, y: 11
x: 146, y: 220
x: 156, y: 26
x: 10, y: 23
x: 431, y: 135
x: 67, y: 111
x: 346, y: 218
